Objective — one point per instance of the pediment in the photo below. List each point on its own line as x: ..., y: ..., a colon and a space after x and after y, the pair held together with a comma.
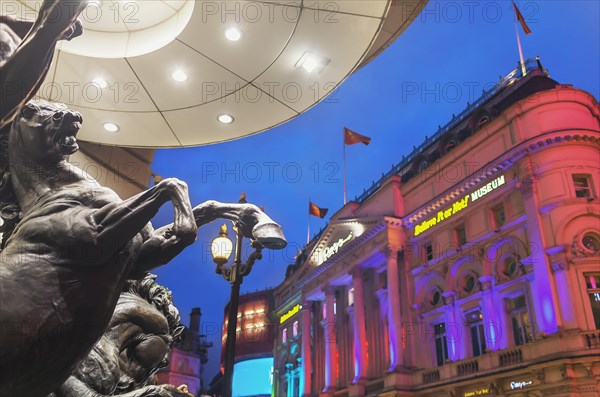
x: 337, y: 236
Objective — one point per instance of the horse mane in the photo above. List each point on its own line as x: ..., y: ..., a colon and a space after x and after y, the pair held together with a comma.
x: 160, y: 297
x: 9, y: 207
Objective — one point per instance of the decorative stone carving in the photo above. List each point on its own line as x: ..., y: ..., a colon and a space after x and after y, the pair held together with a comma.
x: 131, y: 350
x: 580, y: 249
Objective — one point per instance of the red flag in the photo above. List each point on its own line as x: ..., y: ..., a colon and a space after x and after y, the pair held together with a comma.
x: 313, y: 209
x: 351, y: 137
x: 521, y: 19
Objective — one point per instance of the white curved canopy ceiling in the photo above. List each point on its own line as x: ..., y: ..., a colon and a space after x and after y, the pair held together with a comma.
x: 122, y: 70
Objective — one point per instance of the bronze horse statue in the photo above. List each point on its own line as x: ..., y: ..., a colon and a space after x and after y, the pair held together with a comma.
x: 73, y: 245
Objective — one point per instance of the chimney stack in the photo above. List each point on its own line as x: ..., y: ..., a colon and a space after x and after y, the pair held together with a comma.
x: 195, y: 320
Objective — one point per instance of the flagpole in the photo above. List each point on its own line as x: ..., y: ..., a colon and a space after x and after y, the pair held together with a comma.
x: 523, y: 68
x: 308, y: 224
x: 344, y: 155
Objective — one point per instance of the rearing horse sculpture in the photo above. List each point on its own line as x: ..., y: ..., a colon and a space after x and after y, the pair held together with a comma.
x: 65, y: 262
x: 64, y: 265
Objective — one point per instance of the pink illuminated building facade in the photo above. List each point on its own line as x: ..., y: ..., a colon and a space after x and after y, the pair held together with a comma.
x: 471, y: 269
x: 187, y: 358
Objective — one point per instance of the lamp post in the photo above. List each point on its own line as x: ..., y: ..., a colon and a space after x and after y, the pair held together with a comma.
x: 221, y: 249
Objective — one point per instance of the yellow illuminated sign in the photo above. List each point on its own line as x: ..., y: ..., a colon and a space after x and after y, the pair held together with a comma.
x: 294, y: 310
x: 459, y: 205
x: 478, y: 392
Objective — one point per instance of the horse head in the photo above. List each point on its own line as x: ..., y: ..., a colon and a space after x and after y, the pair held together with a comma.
x: 45, y: 132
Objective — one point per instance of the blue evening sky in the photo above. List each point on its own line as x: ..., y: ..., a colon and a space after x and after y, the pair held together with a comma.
x: 442, y: 61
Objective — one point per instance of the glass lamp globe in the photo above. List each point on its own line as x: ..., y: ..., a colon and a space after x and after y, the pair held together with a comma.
x: 221, y: 247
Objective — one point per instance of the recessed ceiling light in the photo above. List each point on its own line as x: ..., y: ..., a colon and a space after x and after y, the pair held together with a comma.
x: 100, y: 82
x: 111, y: 127
x: 312, y: 63
x: 225, y: 118
x: 179, y: 75
x: 233, y: 34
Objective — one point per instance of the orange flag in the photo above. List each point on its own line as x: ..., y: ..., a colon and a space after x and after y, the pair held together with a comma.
x: 313, y: 209
x: 521, y: 19
x: 351, y: 137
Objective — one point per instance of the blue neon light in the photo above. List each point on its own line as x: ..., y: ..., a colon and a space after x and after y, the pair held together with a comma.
x: 253, y: 377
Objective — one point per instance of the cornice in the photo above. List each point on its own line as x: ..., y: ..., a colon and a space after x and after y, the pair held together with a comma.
x: 500, y: 164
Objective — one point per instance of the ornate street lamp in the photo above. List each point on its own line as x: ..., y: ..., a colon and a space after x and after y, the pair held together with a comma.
x: 221, y: 249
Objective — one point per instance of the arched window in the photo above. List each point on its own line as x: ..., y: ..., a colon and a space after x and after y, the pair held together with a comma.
x: 451, y: 144
x: 423, y: 165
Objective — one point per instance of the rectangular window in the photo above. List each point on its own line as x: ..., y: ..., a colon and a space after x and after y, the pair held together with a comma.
x: 583, y: 186
x: 351, y: 297
x: 427, y: 252
x: 521, y: 324
x: 460, y: 235
x: 284, y: 335
x: 499, y: 216
x: 441, y: 343
x: 475, y: 321
x: 593, y: 290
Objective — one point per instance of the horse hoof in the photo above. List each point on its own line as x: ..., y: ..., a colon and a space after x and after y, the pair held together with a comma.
x: 269, y: 235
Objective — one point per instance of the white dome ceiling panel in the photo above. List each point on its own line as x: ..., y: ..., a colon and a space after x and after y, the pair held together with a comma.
x: 152, y: 13
x: 206, y: 81
x: 97, y: 83
x: 130, y: 51
x: 134, y: 128
x: 300, y: 89
x: 373, y: 8
x: 105, y: 44
x: 265, y: 30
x: 251, y: 110
x: 116, y: 29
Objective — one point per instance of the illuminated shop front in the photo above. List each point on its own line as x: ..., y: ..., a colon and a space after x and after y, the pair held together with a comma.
x: 470, y: 269
x: 253, y: 367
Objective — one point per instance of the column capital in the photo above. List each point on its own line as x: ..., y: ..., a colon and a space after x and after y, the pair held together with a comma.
x: 449, y: 297
x: 558, y: 258
x: 559, y: 266
x: 356, y: 272
x: 486, y: 282
x: 328, y: 289
x: 382, y: 294
x: 391, y: 252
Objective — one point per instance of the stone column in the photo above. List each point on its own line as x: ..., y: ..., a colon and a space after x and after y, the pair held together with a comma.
x: 331, y: 365
x: 454, y: 329
x: 569, y: 309
x: 490, y: 325
x: 382, y: 295
x: 543, y: 288
x: 360, y: 335
x: 394, y: 314
x: 306, y: 349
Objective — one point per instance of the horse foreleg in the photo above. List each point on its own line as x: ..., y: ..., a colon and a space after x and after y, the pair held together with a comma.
x: 25, y: 69
x: 158, y: 249
x: 251, y: 220
x: 119, y: 222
